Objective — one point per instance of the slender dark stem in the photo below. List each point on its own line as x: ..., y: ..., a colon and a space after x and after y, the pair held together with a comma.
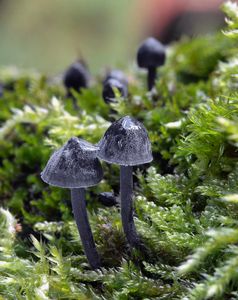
x: 126, y: 187
x: 151, y: 77
x: 81, y: 218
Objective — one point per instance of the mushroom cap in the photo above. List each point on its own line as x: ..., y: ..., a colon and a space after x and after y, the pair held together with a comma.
x: 75, y: 165
x: 125, y: 143
x: 76, y: 76
x: 116, y: 74
x: 151, y: 53
x: 108, y: 93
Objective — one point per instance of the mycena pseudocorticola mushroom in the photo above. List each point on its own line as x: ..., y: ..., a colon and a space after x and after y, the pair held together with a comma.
x: 75, y: 78
x: 114, y: 80
x: 151, y: 54
x: 75, y: 166
x: 126, y: 143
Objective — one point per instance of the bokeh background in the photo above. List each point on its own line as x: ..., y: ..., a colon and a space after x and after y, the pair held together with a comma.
x: 49, y: 35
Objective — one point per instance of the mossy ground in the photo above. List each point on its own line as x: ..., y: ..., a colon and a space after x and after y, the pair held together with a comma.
x: 185, y: 200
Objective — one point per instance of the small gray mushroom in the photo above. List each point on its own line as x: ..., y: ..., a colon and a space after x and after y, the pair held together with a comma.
x: 126, y: 143
x: 76, y: 166
x: 109, y: 87
x: 115, y: 79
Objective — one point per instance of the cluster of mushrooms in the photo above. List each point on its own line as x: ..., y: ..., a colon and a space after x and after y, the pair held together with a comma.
x: 76, y: 165
x: 150, y: 55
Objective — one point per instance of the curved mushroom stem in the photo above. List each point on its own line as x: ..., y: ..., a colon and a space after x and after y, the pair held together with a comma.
x: 126, y: 190
x: 151, y: 77
x: 81, y: 218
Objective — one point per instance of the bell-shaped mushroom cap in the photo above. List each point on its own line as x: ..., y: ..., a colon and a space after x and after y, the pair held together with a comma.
x: 151, y: 53
x: 108, y: 92
x: 116, y: 74
x: 75, y: 165
x: 76, y: 76
x: 125, y: 143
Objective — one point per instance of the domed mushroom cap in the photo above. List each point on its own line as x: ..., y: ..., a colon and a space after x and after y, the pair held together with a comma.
x: 75, y: 165
x: 76, y: 77
x: 151, y: 53
x: 116, y: 74
x: 108, y: 92
x: 125, y: 143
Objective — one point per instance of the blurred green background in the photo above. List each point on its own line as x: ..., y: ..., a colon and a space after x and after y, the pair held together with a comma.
x: 49, y: 35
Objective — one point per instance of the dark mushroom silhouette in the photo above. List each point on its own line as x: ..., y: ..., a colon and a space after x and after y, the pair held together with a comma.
x: 127, y: 144
x: 75, y: 166
x: 115, y: 79
x: 75, y: 78
x: 109, y: 88
x: 117, y: 74
x: 108, y: 199
x: 151, y: 54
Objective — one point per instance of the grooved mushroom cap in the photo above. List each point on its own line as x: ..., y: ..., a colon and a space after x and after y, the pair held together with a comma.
x: 75, y: 165
x: 125, y: 143
x: 76, y: 76
x: 108, y: 90
x: 151, y: 53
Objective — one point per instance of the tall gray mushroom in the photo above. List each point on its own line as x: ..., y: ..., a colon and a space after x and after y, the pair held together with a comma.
x: 126, y: 143
x: 75, y: 166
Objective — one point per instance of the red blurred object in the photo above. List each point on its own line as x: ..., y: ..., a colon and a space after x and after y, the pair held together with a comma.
x: 170, y: 19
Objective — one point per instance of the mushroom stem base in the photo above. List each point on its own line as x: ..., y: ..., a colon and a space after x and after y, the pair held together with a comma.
x: 126, y: 191
x: 81, y: 218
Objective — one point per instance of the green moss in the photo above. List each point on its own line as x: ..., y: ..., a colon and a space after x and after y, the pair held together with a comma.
x: 185, y: 202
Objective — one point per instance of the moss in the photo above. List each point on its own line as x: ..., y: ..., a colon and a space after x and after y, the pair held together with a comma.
x: 185, y: 202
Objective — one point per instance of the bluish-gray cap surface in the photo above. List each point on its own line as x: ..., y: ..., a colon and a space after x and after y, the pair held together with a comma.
x: 75, y: 165
x: 125, y: 143
x: 151, y: 53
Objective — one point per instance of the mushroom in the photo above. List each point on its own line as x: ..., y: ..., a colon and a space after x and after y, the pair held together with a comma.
x: 108, y: 199
x: 151, y: 54
x: 117, y: 74
x: 127, y: 144
x: 109, y: 87
x: 75, y: 166
x: 114, y: 79
x: 76, y: 77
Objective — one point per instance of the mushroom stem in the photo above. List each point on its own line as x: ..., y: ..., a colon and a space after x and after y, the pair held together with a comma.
x: 81, y: 218
x: 126, y: 191
x: 151, y: 77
